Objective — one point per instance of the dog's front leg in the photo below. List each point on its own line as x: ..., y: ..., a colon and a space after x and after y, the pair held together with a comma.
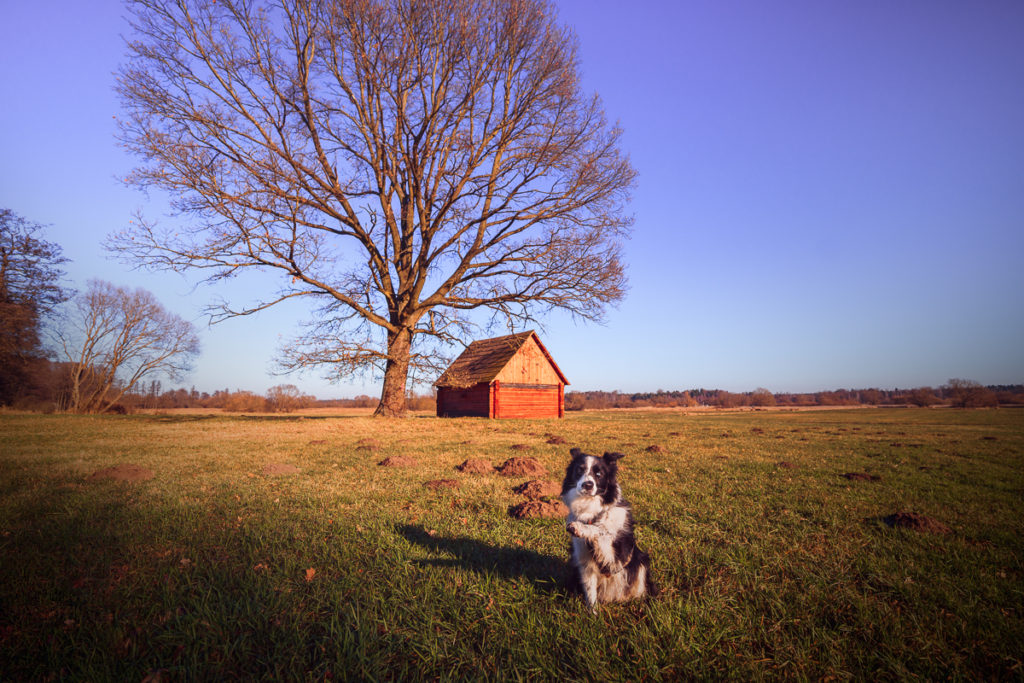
x: 600, y: 541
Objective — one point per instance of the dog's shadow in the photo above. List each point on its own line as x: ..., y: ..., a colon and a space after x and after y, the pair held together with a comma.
x: 547, y: 573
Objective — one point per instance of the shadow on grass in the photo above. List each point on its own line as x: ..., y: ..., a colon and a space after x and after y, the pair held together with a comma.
x: 547, y: 573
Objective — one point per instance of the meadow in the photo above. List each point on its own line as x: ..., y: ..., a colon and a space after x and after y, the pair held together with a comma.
x: 270, y: 547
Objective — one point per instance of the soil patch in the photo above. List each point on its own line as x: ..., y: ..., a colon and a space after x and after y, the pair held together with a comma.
x: 277, y: 469
x: 786, y: 465
x: 368, y: 445
x: 519, y: 467
x: 520, y: 446
x: 125, y: 472
x: 555, y: 440
x: 438, y: 484
x: 317, y: 442
x: 539, y: 509
x: 916, y: 522
x: 655, y: 448
x: 537, y: 489
x: 398, y: 461
x: 861, y: 476
x: 475, y: 466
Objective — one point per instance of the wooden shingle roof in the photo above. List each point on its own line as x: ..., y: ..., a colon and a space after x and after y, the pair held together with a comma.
x: 484, y: 359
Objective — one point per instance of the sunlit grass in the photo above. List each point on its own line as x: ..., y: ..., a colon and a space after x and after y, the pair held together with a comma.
x: 771, y: 563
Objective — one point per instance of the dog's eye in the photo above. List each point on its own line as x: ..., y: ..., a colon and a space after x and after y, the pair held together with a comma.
x: 598, y: 473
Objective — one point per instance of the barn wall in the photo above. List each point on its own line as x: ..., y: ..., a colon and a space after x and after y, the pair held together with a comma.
x: 527, y: 401
x: 469, y: 402
x: 529, y: 365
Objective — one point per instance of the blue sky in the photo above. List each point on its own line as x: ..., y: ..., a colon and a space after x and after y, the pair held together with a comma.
x: 830, y: 194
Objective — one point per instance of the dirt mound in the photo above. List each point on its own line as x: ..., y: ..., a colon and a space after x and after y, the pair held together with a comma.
x: 522, y: 467
x: 520, y: 447
x: 537, y: 509
x: 277, y: 469
x: 861, y: 476
x: 555, y: 440
x: 318, y: 442
x: 655, y: 448
x: 538, y: 489
x: 475, y: 466
x: 368, y: 445
x: 786, y: 465
x: 438, y: 484
x: 398, y: 461
x: 916, y: 522
x: 125, y: 472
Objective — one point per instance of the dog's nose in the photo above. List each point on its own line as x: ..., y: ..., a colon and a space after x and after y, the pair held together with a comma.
x: 587, y: 486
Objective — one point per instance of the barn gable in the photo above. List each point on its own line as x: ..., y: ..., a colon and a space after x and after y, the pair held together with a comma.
x: 510, y: 376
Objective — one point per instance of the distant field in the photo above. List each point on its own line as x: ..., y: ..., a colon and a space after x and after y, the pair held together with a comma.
x: 277, y: 548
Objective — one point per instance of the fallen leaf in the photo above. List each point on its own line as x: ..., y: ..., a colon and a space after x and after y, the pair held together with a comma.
x: 310, y: 573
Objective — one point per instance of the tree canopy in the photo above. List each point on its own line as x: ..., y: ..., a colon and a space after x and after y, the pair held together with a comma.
x: 30, y: 288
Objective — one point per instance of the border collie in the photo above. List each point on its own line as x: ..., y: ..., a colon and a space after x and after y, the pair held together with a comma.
x: 607, y: 564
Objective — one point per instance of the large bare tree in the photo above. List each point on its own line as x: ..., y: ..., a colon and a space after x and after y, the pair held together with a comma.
x: 115, y: 339
x: 416, y: 168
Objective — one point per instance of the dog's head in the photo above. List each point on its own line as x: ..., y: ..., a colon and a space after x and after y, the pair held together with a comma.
x: 589, y: 475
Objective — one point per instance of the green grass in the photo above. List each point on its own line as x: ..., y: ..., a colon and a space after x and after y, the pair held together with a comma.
x: 200, y: 573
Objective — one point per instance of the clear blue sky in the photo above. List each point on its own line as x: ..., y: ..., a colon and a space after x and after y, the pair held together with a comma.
x: 831, y: 194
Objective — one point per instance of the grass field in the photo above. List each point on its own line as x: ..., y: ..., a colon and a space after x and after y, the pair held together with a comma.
x: 772, y: 565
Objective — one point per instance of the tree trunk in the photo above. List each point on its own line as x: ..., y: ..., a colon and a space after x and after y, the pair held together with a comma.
x: 396, y: 374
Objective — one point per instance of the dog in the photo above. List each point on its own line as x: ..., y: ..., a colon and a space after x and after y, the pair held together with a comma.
x: 607, y: 565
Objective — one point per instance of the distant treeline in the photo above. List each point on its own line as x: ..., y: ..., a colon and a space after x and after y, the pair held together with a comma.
x: 957, y: 392
x: 49, y: 389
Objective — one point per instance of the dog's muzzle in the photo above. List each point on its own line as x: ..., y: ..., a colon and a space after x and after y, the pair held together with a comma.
x: 587, y: 487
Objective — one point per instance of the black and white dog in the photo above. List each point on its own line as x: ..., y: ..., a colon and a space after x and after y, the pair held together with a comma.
x: 607, y: 564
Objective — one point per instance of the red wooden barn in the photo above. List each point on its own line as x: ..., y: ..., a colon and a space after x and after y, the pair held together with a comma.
x: 511, y: 376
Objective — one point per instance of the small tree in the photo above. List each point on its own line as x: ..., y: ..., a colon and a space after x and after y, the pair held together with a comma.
x: 923, y: 397
x: 115, y: 339
x: 762, y: 397
x: 286, y: 398
x: 966, y: 393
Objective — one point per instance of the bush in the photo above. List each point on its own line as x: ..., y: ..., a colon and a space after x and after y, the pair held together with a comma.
x: 244, y: 402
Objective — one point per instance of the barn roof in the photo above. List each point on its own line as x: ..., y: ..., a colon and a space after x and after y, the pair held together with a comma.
x: 484, y: 359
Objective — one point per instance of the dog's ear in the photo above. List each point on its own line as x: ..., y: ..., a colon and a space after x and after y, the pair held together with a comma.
x: 575, y: 452
x: 611, y: 458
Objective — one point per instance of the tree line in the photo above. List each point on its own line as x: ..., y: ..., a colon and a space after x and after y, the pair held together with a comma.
x: 958, y: 393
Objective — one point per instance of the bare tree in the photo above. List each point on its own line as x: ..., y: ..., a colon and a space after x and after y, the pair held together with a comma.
x: 286, y: 398
x: 115, y: 339
x: 966, y: 393
x: 30, y: 288
x: 415, y: 168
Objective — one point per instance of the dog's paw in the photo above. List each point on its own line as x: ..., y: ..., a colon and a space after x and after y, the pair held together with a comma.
x: 575, y: 529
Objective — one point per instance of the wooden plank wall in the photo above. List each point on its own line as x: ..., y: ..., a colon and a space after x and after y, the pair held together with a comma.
x: 469, y: 402
x: 526, y: 402
x: 528, y: 366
